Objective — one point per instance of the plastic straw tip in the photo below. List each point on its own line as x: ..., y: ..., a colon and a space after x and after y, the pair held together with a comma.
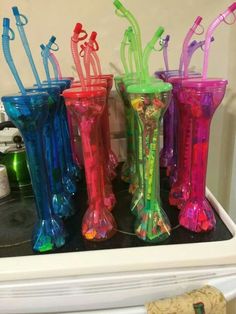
x: 15, y: 11
x: 42, y: 46
x: 232, y: 7
x: 193, y: 43
x: 52, y: 39
x: 6, y: 22
x: 198, y: 20
x: 78, y: 28
x: 117, y: 4
x: 93, y: 36
x: 159, y: 32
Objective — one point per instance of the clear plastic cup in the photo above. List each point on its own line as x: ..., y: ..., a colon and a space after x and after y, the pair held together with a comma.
x: 202, y: 97
x: 29, y: 113
x: 98, y: 223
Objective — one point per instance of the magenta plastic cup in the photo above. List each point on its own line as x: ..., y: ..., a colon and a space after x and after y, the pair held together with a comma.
x: 168, y: 154
x: 180, y: 188
x: 175, y: 132
x: 128, y: 168
x: 202, y: 97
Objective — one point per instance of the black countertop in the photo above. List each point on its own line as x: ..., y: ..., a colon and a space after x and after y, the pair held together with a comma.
x: 17, y: 216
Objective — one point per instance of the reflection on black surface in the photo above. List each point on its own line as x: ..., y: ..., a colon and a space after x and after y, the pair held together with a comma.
x: 23, y: 219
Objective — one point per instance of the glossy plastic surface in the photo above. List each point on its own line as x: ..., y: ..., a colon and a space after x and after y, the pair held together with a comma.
x: 98, y: 223
x: 152, y: 224
x: 68, y: 135
x: 128, y: 170
x: 109, y: 199
x: 111, y: 159
x: 29, y: 114
x: 61, y: 198
x: 202, y: 99
x: 181, y: 186
x: 67, y: 178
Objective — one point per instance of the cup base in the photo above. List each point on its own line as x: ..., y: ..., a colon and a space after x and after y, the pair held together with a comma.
x: 197, y: 216
x: 48, y: 235
x: 152, y: 225
x: 98, y: 225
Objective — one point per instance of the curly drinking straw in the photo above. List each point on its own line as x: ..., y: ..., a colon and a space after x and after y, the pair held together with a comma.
x: 132, y: 41
x: 193, y: 47
x: 123, y: 12
x: 130, y: 58
x: 221, y: 18
x: 78, y: 35
x: 123, y: 45
x: 21, y: 21
x: 187, y: 39
x: 46, y: 50
x: 89, y: 47
x: 201, y: 96
x: 147, y: 51
x: 165, y: 52
x: 56, y: 66
x: 29, y: 112
x: 8, y: 35
x: 53, y: 63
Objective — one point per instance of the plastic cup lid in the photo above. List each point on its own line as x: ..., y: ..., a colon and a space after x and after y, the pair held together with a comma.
x: 60, y: 84
x: 94, y: 82
x: 209, y: 82
x: 158, y: 87
x: 108, y: 77
x: 67, y: 82
x: 25, y: 98
x: 45, y: 88
x: 89, y: 92
x: 71, y: 78
x: 177, y: 79
x: 104, y: 76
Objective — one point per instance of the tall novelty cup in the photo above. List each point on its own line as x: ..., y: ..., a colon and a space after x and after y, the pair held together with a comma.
x: 150, y: 102
x: 29, y: 113
x: 88, y: 104
x: 203, y: 97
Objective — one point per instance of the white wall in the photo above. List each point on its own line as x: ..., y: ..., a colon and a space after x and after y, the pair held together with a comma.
x: 58, y: 17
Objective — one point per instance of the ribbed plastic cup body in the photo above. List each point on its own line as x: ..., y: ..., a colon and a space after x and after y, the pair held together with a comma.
x: 29, y: 113
x: 61, y: 198
x: 203, y: 98
x: 68, y: 137
x: 111, y: 158
x: 88, y: 105
x: 152, y: 224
